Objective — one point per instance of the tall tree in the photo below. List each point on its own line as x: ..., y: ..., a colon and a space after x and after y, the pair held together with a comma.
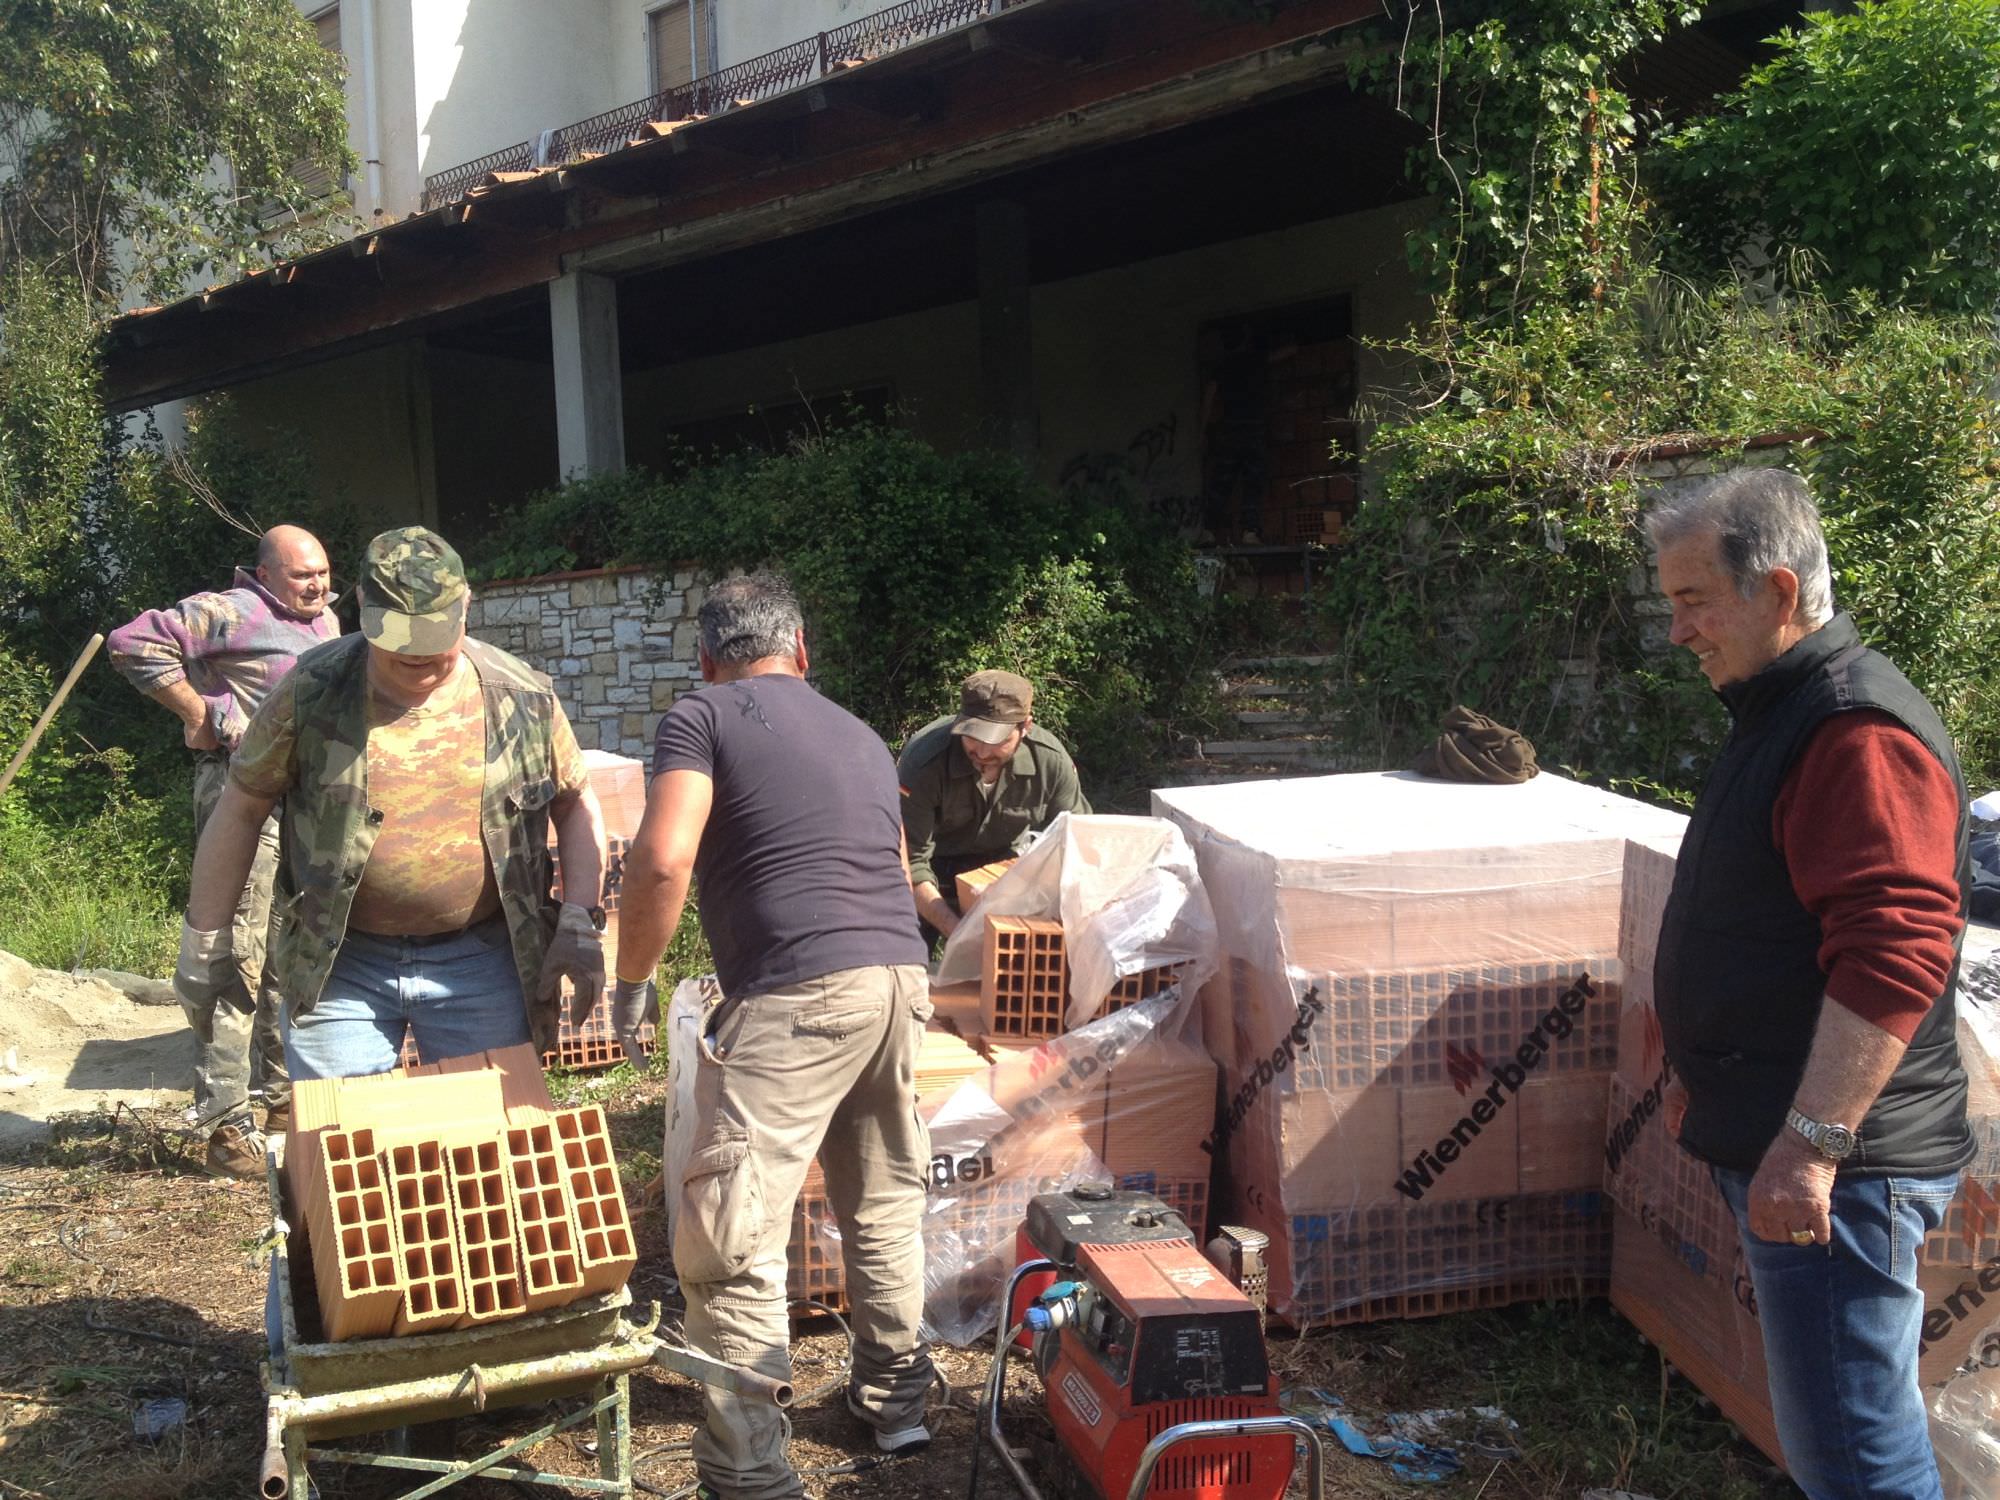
x: 1871, y: 141
x: 149, y: 142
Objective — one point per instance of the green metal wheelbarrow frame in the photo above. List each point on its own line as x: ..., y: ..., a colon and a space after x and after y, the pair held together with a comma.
x: 588, y: 1348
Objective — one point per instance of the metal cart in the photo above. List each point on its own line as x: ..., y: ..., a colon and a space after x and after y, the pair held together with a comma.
x: 584, y: 1352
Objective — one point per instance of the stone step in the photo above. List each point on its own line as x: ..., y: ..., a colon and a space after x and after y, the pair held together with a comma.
x: 1286, y: 717
x: 1253, y: 689
x: 1255, y: 663
x: 1265, y: 749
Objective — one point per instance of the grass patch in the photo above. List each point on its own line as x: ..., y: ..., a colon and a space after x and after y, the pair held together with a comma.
x: 1596, y: 1406
x: 103, y: 894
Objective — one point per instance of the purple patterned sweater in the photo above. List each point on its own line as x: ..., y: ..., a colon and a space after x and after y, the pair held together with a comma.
x: 230, y: 647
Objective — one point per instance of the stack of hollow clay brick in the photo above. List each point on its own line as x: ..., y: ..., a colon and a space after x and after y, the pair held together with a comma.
x: 1677, y: 1267
x: 1418, y: 1014
x: 1140, y: 1121
x: 452, y: 1194
x: 620, y: 784
x: 594, y: 1044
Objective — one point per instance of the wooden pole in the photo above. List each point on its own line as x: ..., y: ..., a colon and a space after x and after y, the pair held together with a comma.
x: 35, y: 734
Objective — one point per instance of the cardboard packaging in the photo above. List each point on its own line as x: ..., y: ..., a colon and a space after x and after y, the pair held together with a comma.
x: 1056, y: 1111
x: 1678, y: 1272
x: 1417, y: 1018
x: 1707, y: 1328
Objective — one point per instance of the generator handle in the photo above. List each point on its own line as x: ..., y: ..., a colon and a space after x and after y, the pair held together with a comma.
x: 996, y: 1381
x: 1185, y: 1432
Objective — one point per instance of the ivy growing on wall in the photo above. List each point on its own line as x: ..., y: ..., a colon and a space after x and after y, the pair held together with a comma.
x: 1497, y: 559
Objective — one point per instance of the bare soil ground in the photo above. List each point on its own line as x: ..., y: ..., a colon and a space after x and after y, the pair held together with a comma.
x: 74, y: 1043
x: 126, y: 1275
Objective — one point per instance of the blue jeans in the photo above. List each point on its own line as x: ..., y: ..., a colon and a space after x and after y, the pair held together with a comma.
x: 1842, y: 1322
x: 459, y: 993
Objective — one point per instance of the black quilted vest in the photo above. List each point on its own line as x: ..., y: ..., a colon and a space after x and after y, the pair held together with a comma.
x: 1737, y: 980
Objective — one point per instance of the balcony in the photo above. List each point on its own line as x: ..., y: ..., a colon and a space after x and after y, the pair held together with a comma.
x: 735, y: 87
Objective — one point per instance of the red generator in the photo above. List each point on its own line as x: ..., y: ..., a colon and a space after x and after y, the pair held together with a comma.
x: 1136, y: 1334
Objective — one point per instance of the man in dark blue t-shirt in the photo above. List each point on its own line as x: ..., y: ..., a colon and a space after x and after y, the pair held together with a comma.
x: 785, y: 807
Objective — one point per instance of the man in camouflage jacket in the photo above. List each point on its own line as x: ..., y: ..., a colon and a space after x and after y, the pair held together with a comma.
x: 210, y: 660
x: 420, y: 772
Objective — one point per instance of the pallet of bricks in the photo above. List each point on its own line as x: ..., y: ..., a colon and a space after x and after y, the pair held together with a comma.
x: 1018, y: 1103
x: 1677, y: 1270
x: 1417, y: 1020
x: 449, y: 1195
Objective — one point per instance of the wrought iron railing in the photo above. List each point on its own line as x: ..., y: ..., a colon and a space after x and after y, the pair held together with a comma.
x: 899, y: 26
x: 448, y: 187
x: 743, y: 83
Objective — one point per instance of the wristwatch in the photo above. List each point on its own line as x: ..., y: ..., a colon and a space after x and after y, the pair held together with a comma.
x: 598, y: 918
x: 1834, y: 1142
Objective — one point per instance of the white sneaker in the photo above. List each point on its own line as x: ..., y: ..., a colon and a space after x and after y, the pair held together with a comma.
x: 904, y: 1440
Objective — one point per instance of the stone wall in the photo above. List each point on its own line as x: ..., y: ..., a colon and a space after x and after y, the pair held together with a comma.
x: 618, y: 657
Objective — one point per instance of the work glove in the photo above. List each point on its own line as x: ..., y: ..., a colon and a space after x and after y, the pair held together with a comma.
x: 205, y: 974
x: 634, y: 1002
x: 575, y: 953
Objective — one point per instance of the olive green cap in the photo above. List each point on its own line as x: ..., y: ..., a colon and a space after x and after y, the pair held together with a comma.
x: 413, y: 593
x: 992, y: 705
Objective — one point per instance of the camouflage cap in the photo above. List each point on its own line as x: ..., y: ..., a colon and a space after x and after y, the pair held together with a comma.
x: 413, y: 593
x: 992, y: 705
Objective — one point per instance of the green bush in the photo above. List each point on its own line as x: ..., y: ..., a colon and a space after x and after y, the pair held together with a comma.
x: 916, y: 567
x: 1499, y: 560
x: 1870, y: 140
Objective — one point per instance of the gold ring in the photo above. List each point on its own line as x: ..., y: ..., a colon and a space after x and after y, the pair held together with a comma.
x: 1802, y: 1236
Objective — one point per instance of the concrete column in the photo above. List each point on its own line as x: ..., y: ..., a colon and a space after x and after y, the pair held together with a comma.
x: 1006, y: 330
x: 590, y: 395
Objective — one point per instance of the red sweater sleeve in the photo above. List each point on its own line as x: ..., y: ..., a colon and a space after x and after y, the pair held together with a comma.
x: 1867, y: 824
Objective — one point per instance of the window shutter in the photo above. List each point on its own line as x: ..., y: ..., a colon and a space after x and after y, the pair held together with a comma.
x: 317, y: 180
x: 671, y: 42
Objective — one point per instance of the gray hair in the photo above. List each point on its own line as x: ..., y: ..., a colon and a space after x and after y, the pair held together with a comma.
x: 1762, y: 519
x: 747, y: 619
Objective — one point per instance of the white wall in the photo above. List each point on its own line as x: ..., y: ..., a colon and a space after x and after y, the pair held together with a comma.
x: 743, y: 29
x: 489, y: 73
x: 461, y: 78
x: 748, y: 28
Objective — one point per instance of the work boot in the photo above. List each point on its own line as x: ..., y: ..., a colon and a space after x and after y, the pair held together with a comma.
x: 236, y: 1150
x: 278, y: 1121
x: 903, y: 1441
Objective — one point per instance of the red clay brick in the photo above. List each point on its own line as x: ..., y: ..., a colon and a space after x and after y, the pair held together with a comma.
x: 604, y: 1230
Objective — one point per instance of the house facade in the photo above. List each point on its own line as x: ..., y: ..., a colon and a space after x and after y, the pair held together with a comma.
x: 1152, y: 237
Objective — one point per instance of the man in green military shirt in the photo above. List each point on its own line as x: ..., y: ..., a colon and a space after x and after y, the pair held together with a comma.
x: 975, y: 786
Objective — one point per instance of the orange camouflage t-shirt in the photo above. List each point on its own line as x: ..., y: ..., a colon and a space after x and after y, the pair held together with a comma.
x: 428, y: 872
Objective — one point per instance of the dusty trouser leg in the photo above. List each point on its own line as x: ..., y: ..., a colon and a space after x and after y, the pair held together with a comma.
x: 875, y: 1157
x: 770, y: 1072
x: 261, y: 915
x: 223, y: 1030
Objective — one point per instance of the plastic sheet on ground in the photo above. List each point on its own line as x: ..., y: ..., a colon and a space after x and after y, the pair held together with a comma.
x: 1409, y: 1460
x: 1129, y: 897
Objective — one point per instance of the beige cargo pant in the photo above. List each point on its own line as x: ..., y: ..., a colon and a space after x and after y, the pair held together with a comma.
x: 237, y: 1048
x: 826, y: 1067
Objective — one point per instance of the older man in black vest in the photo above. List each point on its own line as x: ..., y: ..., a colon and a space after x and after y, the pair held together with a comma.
x: 1807, y: 966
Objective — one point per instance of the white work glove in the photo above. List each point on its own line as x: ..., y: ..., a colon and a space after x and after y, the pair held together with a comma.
x: 575, y: 953
x: 633, y: 1004
x: 205, y: 972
